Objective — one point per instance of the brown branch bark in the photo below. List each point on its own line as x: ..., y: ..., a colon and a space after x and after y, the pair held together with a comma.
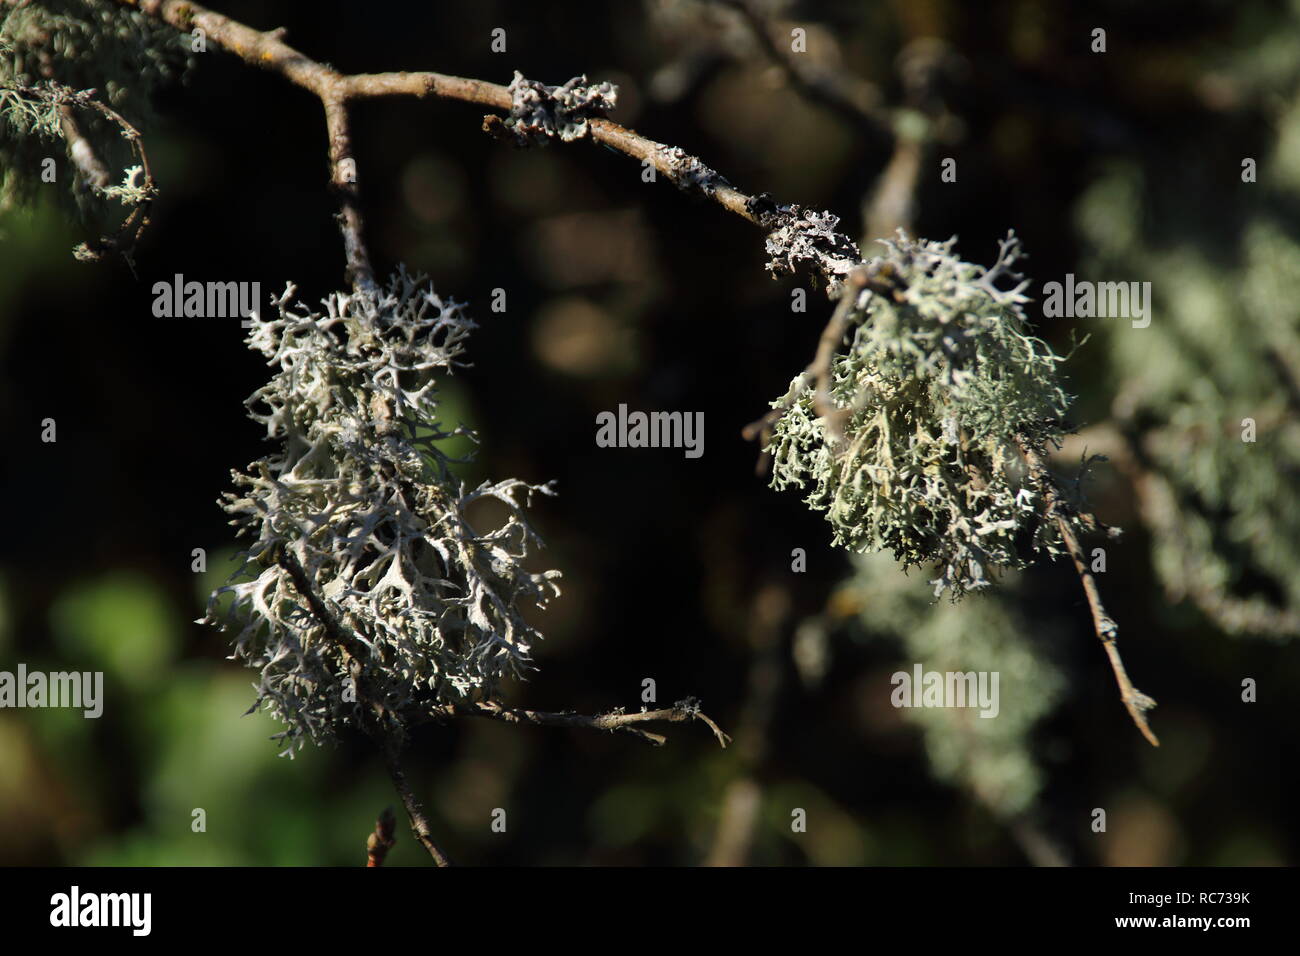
x: 1136, y: 702
x: 866, y: 276
x: 614, y: 722
x: 267, y: 50
x: 83, y: 155
x: 1163, y: 510
x: 414, y: 812
x: 382, y: 839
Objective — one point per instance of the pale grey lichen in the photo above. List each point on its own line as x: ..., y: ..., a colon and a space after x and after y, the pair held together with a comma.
x: 936, y: 384
x: 805, y: 240
x: 416, y: 606
x: 686, y: 172
x: 539, y: 112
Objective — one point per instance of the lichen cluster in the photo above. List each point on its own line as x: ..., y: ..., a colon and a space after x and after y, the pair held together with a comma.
x: 53, y: 49
x: 1219, y: 501
x: 539, y: 112
x: 936, y: 384
x: 416, y: 605
x: 803, y: 240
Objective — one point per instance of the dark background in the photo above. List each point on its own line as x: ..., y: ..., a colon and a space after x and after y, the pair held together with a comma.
x: 618, y: 291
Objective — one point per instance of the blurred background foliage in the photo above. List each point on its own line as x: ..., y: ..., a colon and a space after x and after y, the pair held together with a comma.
x: 1117, y: 166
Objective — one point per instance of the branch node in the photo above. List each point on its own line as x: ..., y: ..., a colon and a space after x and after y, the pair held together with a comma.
x: 539, y: 112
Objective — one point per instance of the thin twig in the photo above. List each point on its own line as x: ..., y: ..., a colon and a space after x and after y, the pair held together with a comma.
x: 92, y: 169
x: 872, y: 276
x: 353, y: 650
x: 613, y: 722
x: 267, y: 50
x: 743, y: 799
x: 386, y: 737
x: 343, y: 179
x: 382, y: 839
x: 913, y: 128
x: 389, y: 738
x: 828, y: 344
x: 853, y: 100
x: 1136, y: 702
x: 419, y: 823
x: 67, y: 100
x: 1164, y: 509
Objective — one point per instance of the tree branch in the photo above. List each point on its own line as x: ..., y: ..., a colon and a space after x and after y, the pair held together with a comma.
x: 614, y: 722
x: 1136, y: 702
x: 1164, y: 511
x: 419, y: 823
x: 343, y: 179
x: 267, y: 50
x: 389, y: 739
x: 855, y: 101
x: 66, y: 101
x: 868, y: 276
x: 92, y: 169
x: 382, y: 839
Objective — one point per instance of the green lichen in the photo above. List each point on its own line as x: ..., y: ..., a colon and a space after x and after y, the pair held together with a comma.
x: 936, y: 385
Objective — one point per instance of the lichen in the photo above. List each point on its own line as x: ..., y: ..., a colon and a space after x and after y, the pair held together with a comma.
x: 539, y: 112
x: 936, y: 385
x: 362, y: 501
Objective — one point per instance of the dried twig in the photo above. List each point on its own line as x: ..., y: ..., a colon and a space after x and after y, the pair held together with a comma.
x: 382, y: 839
x: 386, y: 737
x: 267, y: 50
x: 614, y: 722
x: 1136, y: 702
x: 389, y: 738
x: 1164, y: 510
x: 870, y: 276
x: 92, y: 169
x: 67, y: 101
x: 419, y: 823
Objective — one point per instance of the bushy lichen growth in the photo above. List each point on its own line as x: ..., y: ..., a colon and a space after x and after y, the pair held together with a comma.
x: 1224, y: 517
x: 76, y: 46
x: 1223, y: 344
x: 936, y: 384
x: 539, y: 112
x: 373, y: 596
x: 804, y: 240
